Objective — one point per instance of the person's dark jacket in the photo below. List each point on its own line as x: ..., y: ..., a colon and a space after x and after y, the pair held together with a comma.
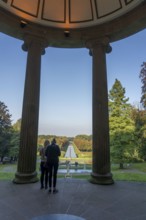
x: 53, y: 153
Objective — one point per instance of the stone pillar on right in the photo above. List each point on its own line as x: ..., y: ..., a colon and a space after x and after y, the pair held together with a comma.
x: 101, y: 168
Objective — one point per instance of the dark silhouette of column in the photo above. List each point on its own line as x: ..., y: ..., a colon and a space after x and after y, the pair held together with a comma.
x: 101, y: 173
x: 26, y: 169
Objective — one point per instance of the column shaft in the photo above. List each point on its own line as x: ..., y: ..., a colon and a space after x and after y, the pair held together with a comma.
x: 26, y: 170
x: 101, y: 150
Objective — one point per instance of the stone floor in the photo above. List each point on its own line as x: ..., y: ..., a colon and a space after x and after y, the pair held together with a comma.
x: 120, y: 201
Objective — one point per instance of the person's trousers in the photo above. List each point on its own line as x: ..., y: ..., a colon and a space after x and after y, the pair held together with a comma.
x: 44, y: 175
x: 53, y: 168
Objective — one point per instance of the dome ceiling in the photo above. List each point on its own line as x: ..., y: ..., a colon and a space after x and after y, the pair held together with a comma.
x: 69, y: 13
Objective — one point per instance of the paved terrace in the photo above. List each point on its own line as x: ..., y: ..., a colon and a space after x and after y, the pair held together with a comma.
x: 120, y: 201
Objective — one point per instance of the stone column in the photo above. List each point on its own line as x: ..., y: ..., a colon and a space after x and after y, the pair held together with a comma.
x: 101, y: 173
x: 26, y: 170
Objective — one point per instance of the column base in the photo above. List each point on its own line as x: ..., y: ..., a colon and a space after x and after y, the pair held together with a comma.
x: 21, y: 178
x: 105, y: 179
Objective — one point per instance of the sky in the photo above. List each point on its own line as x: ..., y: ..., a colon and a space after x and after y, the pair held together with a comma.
x: 66, y: 82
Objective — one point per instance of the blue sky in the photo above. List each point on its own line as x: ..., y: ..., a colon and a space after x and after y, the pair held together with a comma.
x: 66, y: 82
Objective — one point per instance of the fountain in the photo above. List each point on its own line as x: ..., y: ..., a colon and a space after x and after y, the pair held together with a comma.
x: 70, y: 153
x: 72, y: 167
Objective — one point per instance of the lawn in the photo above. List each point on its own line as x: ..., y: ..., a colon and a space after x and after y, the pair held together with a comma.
x: 131, y: 172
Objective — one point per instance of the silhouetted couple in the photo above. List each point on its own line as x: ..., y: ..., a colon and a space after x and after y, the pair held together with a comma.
x: 51, y: 155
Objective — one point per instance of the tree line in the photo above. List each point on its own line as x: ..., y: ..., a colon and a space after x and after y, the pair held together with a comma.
x: 127, y: 128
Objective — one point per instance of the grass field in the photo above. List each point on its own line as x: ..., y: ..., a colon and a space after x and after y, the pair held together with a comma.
x: 131, y: 172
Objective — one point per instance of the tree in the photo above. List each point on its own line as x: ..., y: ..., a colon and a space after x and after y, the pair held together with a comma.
x: 5, y: 118
x: 15, y: 140
x: 142, y: 75
x: 17, y: 125
x: 83, y: 142
x: 121, y: 125
x: 5, y: 130
x: 139, y: 116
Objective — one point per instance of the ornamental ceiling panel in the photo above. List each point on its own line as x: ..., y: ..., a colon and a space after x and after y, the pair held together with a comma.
x: 30, y: 7
x: 128, y: 1
x: 77, y: 14
x: 69, y: 13
x: 54, y: 10
x: 104, y: 7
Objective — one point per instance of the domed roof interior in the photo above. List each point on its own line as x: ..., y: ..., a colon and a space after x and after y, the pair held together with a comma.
x: 71, y: 23
x: 69, y: 13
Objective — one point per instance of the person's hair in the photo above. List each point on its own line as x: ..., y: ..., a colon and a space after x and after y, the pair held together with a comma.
x: 46, y: 143
x: 54, y: 141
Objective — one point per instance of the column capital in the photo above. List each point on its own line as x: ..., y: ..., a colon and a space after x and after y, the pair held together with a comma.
x: 30, y: 40
x: 99, y: 42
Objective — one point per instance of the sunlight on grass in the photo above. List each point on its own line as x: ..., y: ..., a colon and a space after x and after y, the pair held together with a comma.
x: 139, y: 166
x: 130, y: 173
x: 6, y: 176
x: 129, y: 177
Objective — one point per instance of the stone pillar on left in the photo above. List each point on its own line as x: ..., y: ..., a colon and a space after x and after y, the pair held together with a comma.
x: 26, y: 168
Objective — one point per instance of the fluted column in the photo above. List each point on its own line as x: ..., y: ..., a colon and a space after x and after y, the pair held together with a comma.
x: 26, y: 170
x: 101, y: 173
